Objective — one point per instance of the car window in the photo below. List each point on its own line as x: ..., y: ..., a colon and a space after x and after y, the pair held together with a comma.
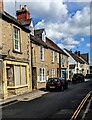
x: 77, y: 75
x: 52, y: 79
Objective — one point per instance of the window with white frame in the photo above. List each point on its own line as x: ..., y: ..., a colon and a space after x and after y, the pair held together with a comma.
x: 16, y: 33
x: 42, y: 75
x: 52, y: 52
x: 53, y: 72
x: 43, y: 36
x: 57, y: 57
x: 42, y: 53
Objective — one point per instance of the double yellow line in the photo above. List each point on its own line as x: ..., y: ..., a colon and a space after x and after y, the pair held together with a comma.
x: 76, y: 113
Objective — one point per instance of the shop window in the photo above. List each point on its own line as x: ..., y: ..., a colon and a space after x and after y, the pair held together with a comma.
x: 23, y: 75
x: 20, y: 75
x: 17, y: 75
x: 10, y: 75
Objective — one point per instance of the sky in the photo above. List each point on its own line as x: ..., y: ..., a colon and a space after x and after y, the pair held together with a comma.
x: 66, y: 22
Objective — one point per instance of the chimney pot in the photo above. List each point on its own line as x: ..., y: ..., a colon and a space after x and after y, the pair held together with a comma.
x: 77, y: 53
x: 20, y: 7
x: 25, y: 7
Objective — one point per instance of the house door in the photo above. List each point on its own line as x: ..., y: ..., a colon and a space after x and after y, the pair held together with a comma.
x: 63, y: 73
x: 34, y: 78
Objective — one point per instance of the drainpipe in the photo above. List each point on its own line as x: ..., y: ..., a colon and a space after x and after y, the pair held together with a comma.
x: 31, y: 59
x: 59, y: 65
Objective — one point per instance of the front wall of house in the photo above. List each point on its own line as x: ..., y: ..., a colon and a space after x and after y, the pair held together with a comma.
x: 85, y: 69
x: 37, y: 63
x: 8, y: 44
x: 65, y: 63
x: 0, y: 35
x: 17, y: 64
x: 52, y: 65
x: 64, y: 66
x: 1, y: 74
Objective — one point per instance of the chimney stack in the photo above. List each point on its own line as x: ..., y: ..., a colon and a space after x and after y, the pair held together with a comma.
x: 1, y: 5
x: 77, y: 53
x: 23, y: 13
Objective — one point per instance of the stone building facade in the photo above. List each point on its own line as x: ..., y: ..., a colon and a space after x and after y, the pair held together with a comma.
x: 15, y: 57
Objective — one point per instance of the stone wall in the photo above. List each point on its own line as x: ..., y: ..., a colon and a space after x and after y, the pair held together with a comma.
x: 1, y: 76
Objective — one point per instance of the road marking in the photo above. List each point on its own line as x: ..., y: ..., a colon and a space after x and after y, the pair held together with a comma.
x: 87, y: 108
x: 76, y: 113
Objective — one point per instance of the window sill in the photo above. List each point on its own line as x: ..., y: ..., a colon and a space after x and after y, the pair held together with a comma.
x: 17, y: 52
x: 42, y: 82
x: 42, y: 61
x: 17, y: 86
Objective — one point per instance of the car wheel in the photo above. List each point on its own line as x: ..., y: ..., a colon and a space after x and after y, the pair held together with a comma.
x: 47, y: 89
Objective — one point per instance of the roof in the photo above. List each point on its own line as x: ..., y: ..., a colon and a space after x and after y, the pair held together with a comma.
x: 7, y: 17
x: 75, y: 57
x: 49, y: 43
x: 39, y: 31
x: 37, y: 40
x: 53, y: 46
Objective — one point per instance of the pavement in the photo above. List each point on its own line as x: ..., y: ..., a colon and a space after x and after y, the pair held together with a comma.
x: 25, y: 97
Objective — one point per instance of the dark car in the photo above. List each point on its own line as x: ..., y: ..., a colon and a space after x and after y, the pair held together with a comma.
x: 88, y: 76
x: 57, y: 84
x: 78, y: 78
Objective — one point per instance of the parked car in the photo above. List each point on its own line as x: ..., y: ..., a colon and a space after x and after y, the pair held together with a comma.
x: 88, y: 76
x: 78, y: 78
x: 57, y: 84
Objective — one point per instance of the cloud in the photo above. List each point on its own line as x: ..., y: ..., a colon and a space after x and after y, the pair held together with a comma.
x: 89, y: 45
x: 79, y: 24
x: 57, y: 20
x: 62, y: 46
x: 70, y: 43
x: 82, y: 39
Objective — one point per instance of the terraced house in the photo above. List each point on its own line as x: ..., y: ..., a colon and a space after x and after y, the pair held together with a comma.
x: 15, y: 59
